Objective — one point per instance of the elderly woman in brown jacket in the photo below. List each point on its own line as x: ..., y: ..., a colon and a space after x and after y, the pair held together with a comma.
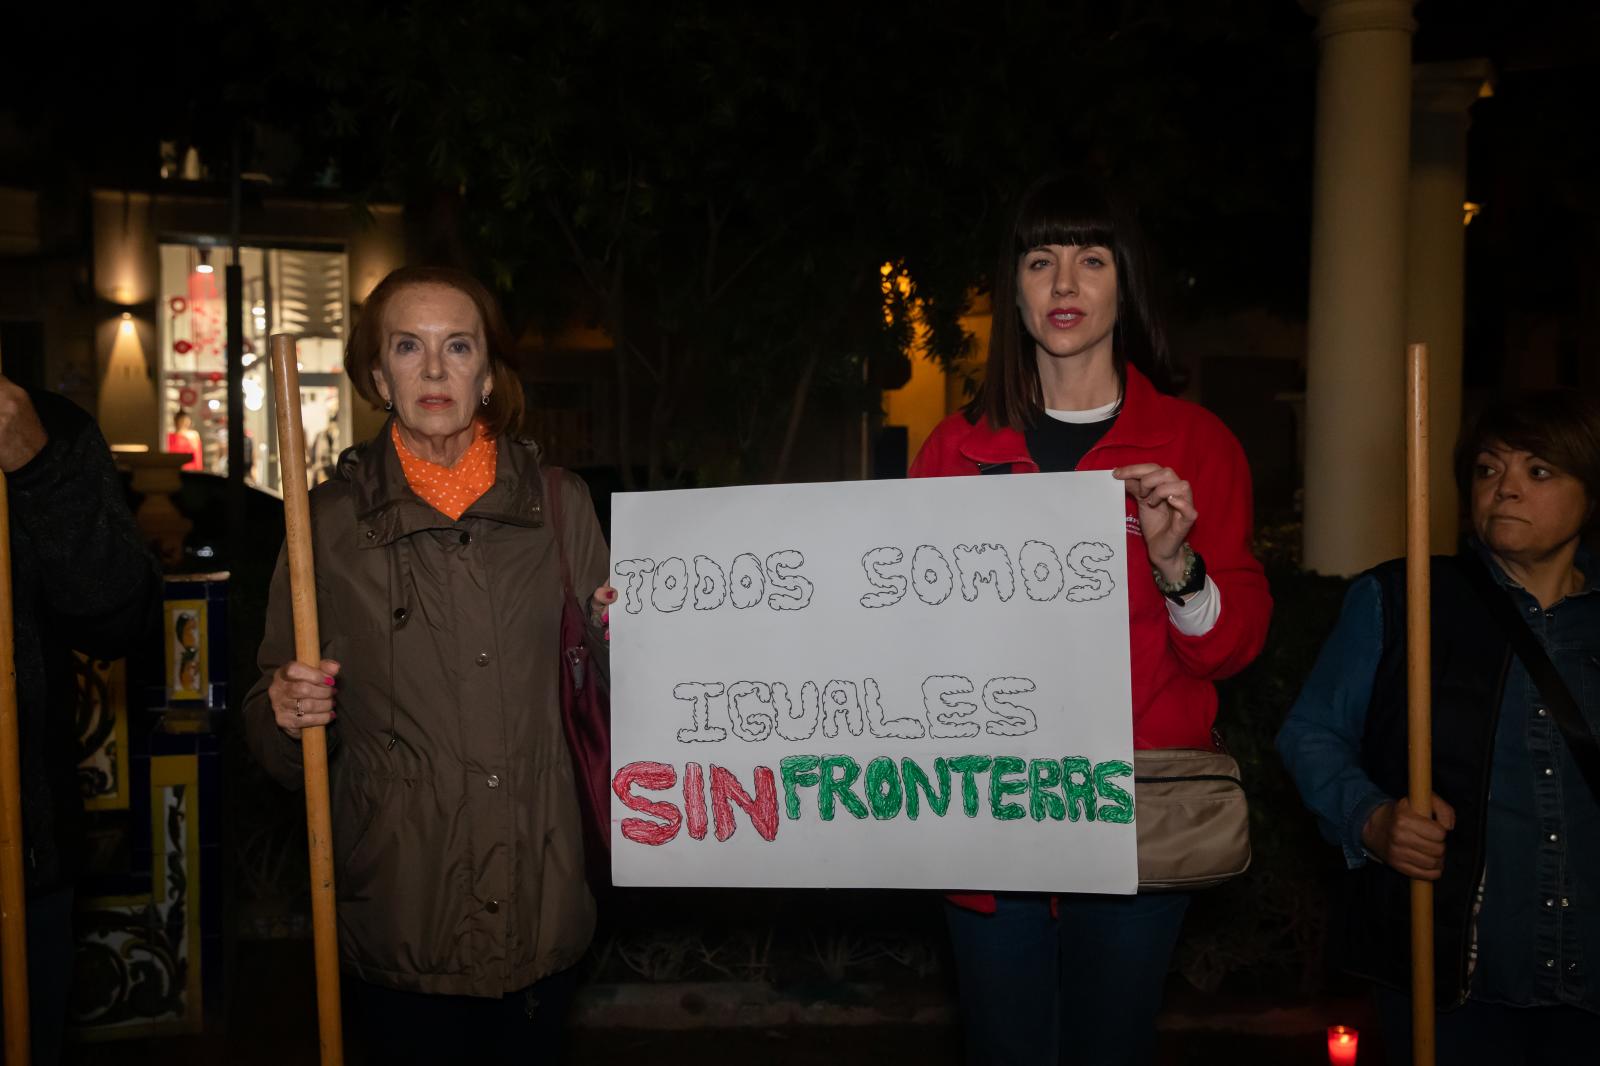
x: 458, y: 854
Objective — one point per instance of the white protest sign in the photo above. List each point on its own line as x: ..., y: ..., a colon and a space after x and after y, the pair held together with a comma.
x: 911, y: 684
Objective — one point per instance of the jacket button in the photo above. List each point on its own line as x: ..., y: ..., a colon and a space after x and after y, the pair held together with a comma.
x: 1549, y: 903
x: 466, y: 538
x: 482, y: 659
x: 493, y: 781
x: 1553, y: 838
x: 372, y: 534
x: 493, y: 907
x: 1541, y: 712
x: 1548, y: 770
x: 1549, y: 964
x: 399, y: 614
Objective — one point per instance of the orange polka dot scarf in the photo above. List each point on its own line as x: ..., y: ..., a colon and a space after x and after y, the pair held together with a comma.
x: 450, y: 489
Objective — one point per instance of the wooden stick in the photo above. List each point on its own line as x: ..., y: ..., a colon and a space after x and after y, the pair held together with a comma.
x: 308, y: 650
x: 1419, y: 691
x: 13, y: 890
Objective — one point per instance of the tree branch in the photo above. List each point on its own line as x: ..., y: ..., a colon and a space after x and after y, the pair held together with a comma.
x: 749, y: 260
x: 713, y: 227
x: 797, y: 410
x: 622, y: 213
x: 608, y: 295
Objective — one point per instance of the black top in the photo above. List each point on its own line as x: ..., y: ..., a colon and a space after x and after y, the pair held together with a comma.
x: 1059, y: 446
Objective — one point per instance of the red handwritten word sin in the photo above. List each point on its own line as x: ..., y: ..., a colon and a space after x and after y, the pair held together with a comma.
x: 726, y: 792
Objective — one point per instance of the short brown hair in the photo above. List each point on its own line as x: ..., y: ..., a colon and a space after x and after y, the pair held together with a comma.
x: 504, y: 413
x: 1561, y: 426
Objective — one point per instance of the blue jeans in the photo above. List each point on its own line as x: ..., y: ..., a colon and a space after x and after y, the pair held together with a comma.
x: 1081, y: 989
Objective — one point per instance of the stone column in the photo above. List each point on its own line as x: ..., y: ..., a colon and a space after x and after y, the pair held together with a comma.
x: 1436, y: 261
x: 1355, y: 344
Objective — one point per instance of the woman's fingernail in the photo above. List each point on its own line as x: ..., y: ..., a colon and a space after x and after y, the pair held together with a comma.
x: 605, y: 616
x: 611, y: 595
x: 328, y: 681
x: 608, y: 635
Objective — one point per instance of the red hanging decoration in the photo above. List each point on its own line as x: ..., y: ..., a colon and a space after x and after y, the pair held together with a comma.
x: 187, y: 397
x: 182, y: 347
x: 178, y: 304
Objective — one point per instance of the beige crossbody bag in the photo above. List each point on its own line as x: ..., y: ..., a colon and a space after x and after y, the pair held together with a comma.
x: 1192, y: 817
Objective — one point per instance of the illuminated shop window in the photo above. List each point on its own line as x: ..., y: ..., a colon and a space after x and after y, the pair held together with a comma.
x: 291, y: 290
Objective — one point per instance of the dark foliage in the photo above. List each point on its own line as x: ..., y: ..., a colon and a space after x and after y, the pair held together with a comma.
x: 718, y: 187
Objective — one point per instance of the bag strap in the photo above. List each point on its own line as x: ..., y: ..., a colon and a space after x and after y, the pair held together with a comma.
x: 1580, y: 740
x: 554, y: 508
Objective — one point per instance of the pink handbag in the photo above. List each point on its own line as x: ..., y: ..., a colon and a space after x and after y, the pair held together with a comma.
x: 585, y: 714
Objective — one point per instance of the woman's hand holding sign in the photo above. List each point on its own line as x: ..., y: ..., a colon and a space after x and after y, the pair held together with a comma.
x: 600, y: 608
x: 1166, y: 513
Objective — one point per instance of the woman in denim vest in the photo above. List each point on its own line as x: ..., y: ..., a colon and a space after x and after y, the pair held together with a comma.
x: 1514, y: 841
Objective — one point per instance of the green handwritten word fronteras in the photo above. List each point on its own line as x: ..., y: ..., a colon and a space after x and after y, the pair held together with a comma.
x: 1006, y: 788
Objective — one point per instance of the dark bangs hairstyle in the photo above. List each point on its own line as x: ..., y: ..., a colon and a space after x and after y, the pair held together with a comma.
x: 1560, y: 426
x: 364, y: 353
x: 1058, y: 209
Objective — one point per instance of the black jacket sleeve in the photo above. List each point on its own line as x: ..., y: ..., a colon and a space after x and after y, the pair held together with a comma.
x: 99, y: 581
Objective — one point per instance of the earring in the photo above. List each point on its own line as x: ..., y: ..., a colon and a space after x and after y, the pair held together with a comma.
x: 388, y: 406
x: 485, y: 400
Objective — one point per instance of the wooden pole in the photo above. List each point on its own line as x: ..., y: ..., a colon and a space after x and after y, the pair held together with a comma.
x: 308, y: 650
x: 13, y: 889
x: 1419, y: 691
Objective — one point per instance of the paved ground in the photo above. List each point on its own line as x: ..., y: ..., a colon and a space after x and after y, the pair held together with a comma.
x: 272, y: 1022
x: 800, y: 1047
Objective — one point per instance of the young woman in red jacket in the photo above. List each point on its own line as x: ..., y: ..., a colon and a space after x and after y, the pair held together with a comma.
x: 1077, y: 375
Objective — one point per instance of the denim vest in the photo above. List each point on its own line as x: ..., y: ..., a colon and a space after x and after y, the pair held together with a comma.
x: 1528, y: 827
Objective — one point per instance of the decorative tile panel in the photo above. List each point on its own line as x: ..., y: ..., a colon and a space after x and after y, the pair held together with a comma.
x: 138, y: 957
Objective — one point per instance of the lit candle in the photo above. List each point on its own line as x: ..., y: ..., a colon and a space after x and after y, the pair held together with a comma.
x: 1342, y: 1045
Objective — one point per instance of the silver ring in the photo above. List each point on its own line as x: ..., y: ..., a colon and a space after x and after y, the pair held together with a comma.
x: 297, y: 706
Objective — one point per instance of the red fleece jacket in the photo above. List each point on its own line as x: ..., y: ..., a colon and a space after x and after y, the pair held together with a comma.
x: 1174, y: 700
